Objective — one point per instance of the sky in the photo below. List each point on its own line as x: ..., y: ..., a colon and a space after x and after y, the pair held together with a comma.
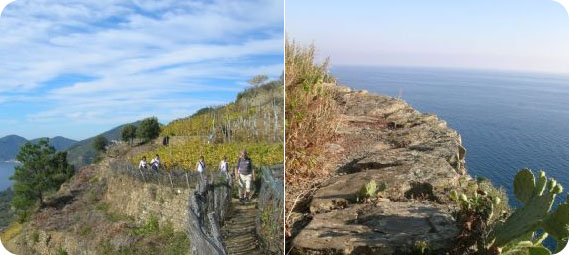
x: 77, y: 68
x: 520, y: 35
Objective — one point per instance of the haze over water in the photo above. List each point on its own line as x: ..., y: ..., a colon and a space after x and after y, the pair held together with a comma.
x: 6, y: 170
x: 507, y: 120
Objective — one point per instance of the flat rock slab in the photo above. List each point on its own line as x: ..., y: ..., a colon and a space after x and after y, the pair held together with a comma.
x: 382, y: 228
x: 426, y: 178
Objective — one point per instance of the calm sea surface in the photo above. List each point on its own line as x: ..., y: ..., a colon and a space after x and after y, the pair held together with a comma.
x: 6, y: 170
x: 507, y: 120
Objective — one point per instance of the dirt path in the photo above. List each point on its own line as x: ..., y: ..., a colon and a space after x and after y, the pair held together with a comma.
x: 239, y: 229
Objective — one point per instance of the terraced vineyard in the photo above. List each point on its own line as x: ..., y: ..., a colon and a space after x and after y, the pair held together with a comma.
x: 186, y: 155
x: 254, y: 122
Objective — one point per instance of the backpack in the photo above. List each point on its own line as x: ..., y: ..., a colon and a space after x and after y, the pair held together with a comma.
x: 244, y: 166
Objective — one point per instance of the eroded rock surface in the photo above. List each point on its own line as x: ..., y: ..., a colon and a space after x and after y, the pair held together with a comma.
x: 382, y: 228
x: 415, y: 156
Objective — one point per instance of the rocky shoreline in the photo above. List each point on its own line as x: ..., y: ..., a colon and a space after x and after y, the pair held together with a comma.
x: 415, y: 157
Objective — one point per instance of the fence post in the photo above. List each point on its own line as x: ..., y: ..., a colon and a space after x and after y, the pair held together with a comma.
x: 187, y: 181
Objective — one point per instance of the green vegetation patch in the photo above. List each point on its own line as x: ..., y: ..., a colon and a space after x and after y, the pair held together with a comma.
x: 153, y: 239
x: 6, y: 213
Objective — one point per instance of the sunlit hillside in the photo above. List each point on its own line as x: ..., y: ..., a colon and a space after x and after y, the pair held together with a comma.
x: 254, y: 121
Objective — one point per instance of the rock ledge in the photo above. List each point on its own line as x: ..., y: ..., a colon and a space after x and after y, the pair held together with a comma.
x: 415, y: 156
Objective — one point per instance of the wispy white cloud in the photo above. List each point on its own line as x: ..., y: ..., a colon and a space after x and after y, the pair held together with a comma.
x: 142, y: 57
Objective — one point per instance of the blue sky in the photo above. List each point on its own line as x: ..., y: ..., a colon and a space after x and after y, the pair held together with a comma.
x: 523, y: 35
x: 76, y: 68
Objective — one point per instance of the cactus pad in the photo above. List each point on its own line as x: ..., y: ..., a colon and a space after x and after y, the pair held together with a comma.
x: 537, y: 198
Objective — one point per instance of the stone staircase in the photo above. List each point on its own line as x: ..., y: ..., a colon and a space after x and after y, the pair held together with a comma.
x: 239, y: 232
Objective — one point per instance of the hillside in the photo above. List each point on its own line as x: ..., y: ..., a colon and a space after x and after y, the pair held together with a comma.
x: 253, y: 121
x: 82, y: 152
x: 256, y: 114
x: 10, y: 145
x: 107, y: 208
x: 60, y: 143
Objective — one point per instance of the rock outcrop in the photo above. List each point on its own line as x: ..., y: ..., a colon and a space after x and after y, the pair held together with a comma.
x: 414, y: 156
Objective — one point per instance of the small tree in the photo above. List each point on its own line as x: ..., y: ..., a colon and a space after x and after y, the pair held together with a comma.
x: 42, y: 170
x: 100, y: 143
x: 258, y: 80
x: 148, y: 129
x: 128, y: 133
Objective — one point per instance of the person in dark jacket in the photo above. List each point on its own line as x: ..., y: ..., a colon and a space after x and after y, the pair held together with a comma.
x: 244, y: 175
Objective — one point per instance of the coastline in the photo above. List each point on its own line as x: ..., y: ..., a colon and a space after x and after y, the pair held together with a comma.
x: 11, y: 161
x: 416, y: 157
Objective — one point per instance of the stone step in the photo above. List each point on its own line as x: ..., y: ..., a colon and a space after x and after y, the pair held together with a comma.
x: 387, y: 228
x: 239, y: 229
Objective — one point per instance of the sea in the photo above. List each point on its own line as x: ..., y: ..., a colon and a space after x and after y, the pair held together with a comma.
x: 507, y: 120
x: 6, y: 170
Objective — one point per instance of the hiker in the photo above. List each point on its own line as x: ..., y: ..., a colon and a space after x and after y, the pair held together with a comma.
x: 200, y: 166
x: 143, y: 165
x: 223, y: 165
x: 155, y: 163
x: 244, y: 174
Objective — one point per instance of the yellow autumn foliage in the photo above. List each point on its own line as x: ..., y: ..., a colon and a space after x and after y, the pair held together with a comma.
x: 186, y: 155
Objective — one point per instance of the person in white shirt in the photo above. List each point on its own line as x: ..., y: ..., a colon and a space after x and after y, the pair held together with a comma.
x: 143, y: 165
x: 223, y: 165
x: 200, y: 166
x: 155, y: 163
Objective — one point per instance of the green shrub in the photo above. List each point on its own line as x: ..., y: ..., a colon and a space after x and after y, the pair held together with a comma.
x: 370, y: 190
x: 102, y: 207
x: 100, y: 143
x: 85, y: 230
x: 148, y: 129
x: 61, y: 251
x: 35, y: 237
x: 128, y: 133
x: 150, y: 227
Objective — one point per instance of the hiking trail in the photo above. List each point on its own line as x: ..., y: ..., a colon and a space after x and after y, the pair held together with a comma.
x: 239, y: 232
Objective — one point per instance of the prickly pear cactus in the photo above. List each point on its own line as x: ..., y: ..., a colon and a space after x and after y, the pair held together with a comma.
x: 537, y: 197
x: 369, y: 190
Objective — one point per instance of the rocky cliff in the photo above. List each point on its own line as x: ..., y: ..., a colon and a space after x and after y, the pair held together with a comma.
x: 413, y: 157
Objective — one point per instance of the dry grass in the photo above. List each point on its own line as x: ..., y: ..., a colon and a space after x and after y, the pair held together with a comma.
x: 310, y: 112
x: 311, y: 120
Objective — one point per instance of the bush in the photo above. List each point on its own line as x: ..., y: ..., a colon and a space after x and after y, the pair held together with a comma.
x: 128, y: 133
x: 148, y: 129
x: 61, y: 251
x: 35, y: 237
x: 100, y: 143
x: 310, y: 111
x: 151, y: 227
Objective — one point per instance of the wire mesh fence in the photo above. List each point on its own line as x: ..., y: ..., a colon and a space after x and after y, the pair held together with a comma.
x: 208, y: 208
x: 270, y: 214
x: 175, y: 178
x: 210, y: 201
